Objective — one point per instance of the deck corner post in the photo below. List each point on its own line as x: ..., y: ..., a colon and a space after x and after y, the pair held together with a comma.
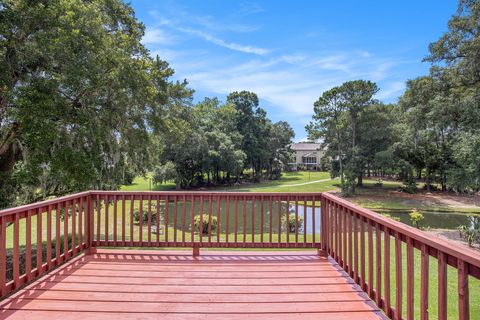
x: 321, y: 252
x: 90, y: 212
x: 196, y: 250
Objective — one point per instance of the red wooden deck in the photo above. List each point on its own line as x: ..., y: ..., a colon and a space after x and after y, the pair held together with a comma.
x: 131, y: 284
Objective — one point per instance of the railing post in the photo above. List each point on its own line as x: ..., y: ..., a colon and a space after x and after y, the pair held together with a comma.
x: 89, y: 231
x: 196, y: 250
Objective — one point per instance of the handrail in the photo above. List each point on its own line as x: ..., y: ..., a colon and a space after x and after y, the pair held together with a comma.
x: 361, y: 241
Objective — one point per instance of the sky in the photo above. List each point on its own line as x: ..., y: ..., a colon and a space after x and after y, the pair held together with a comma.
x: 290, y: 52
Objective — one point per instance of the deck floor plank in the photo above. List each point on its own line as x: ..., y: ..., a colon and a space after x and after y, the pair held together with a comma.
x: 132, y: 284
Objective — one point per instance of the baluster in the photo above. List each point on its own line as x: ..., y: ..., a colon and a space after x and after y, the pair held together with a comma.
x: 296, y: 220
x: 58, y: 259
x: 218, y: 218
x: 107, y: 206
x: 410, y: 279
x: 167, y: 208
x: 442, y: 285
x: 270, y: 205
x: 49, y: 237
x: 74, y: 226
x: 16, y: 256
x: 244, y: 219
x: 210, y: 209
x: 115, y: 221
x: 149, y: 219
x: 201, y: 219
x: 28, y: 246
x: 227, y: 217
x: 39, y: 241
x: 80, y: 223
x: 378, y: 264
x: 236, y: 221
x: 123, y: 220
x: 355, y: 247
x: 132, y: 204
x: 99, y: 204
x: 313, y: 220
x: 184, y: 216
x: 386, y: 271
x: 304, y: 221
x: 3, y: 255
x: 287, y: 220
x: 253, y: 218
x: 175, y: 218
x: 370, y: 259
x: 348, y: 216
x: 424, y: 274
x: 279, y: 207
x: 398, y: 276
x: 192, y: 219
x: 140, y: 221
x: 362, y: 253
x: 261, y: 219
x: 463, y: 293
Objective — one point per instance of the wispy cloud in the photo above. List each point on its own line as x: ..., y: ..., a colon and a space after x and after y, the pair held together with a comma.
x: 157, y: 36
x: 222, y: 43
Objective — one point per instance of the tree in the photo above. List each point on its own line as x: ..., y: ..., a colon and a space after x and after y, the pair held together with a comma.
x: 80, y: 97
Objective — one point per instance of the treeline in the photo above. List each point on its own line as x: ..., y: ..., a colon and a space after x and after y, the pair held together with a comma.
x: 432, y: 133
x: 84, y: 105
x: 218, y: 142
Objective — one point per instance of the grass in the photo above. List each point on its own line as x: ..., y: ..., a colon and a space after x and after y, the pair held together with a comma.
x: 289, y: 182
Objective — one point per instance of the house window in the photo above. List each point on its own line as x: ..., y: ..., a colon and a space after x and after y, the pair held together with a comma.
x: 310, y: 160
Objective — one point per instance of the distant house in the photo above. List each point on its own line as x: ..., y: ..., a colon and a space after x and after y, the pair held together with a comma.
x: 306, y: 155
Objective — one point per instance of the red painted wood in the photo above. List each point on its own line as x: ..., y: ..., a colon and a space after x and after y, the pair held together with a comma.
x: 16, y: 260
x: 81, y: 213
x: 348, y: 216
x: 132, y: 204
x: 99, y: 205
x: 49, y: 237
x: 313, y: 220
x: 124, y: 219
x: 252, y: 222
x: 106, y: 229
x: 410, y: 281
x: 270, y: 206
x: 184, y: 217
x: 370, y: 259
x: 3, y: 253
x: 244, y: 219
x: 279, y: 230
x: 115, y: 219
x: 262, y: 218
x: 227, y: 218
x: 28, y: 246
x: 140, y: 223
x: 338, y: 245
x: 58, y: 259
x: 74, y: 225
x: 236, y: 221
x: 378, y: 265
x: 175, y: 215
x: 362, y: 254
x: 398, y: 277
x: 386, y: 270
x: 39, y: 242
x: 218, y: 218
x: 210, y: 208
x: 424, y: 271
x: 149, y: 219
x: 463, y: 292
x: 201, y: 219
x: 192, y: 219
x: 167, y: 207
x: 287, y: 220
x: 304, y: 222
x: 442, y: 286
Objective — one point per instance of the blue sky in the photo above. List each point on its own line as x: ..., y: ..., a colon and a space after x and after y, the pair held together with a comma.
x: 289, y: 52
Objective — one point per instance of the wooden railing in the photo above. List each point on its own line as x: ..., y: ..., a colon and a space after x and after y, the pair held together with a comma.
x: 240, y: 220
x: 390, y: 261
x: 38, y: 237
x: 365, y: 243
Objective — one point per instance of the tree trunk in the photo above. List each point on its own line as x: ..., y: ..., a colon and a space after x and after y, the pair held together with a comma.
x: 360, y: 180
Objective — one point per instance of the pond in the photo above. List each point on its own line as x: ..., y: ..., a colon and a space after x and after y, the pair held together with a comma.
x: 434, y: 220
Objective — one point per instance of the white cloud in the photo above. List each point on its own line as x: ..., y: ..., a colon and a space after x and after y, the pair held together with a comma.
x: 157, y: 36
x: 220, y: 42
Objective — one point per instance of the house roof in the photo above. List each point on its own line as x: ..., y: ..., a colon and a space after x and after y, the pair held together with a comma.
x: 305, y: 146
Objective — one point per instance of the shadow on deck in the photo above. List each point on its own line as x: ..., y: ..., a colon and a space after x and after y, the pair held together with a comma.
x: 132, y: 284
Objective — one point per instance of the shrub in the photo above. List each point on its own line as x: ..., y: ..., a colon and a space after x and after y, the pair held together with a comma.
x: 415, y: 217
x: 291, y: 222
x: 153, y: 210
x: 205, y: 223
x: 471, y: 233
x: 409, y: 185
